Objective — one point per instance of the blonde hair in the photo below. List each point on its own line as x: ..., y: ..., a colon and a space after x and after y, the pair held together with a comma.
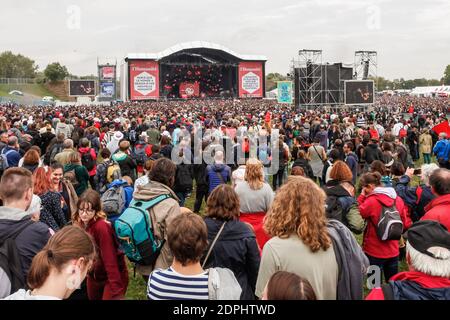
x: 254, y: 174
x: 299, y: 207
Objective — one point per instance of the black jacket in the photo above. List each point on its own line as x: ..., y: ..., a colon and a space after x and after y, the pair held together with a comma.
x: 306, y: 167
x: 200, y: 175
x: 372, y: 153
x: 237, y: 250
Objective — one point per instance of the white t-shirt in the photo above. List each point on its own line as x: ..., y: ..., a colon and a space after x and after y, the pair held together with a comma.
x: 23, y: 294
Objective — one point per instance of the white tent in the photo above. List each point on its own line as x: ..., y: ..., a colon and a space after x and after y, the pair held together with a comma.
x: 432, y: 91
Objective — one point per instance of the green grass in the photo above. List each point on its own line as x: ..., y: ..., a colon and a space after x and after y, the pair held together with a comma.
x: 34, y: 89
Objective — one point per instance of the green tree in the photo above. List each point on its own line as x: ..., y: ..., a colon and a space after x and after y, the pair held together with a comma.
x: 55, y: 71
x: 16, y: 66
x: 447, y: 75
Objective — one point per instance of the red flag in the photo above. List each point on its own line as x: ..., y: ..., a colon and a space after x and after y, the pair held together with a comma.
x: 442, y: 127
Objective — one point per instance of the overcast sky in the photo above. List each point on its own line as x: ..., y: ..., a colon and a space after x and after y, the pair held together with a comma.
x: 412, y: 37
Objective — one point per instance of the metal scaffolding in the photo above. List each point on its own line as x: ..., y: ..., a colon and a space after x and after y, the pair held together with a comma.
x: 365, y: 66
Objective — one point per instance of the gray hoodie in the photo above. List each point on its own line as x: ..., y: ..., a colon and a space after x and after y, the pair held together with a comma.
x: 61, y: 127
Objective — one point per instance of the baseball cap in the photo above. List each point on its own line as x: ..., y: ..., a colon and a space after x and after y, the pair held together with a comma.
x: 425, y: 234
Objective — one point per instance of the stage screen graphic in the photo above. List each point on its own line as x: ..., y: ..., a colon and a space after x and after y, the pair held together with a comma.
x: 107, y: 89
x: 284, y: 91
x: 107, y: 73
x: 144, y: 80
x: 189, y: 89
x: 250, y: 80
x: 359, y: 92
x: 81, y: 88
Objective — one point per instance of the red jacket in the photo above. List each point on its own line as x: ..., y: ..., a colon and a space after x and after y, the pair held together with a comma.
x: 424, y: 280
x: 110, y: 262
x: 439, y: 210
x: 93, y: 172
x: 370, y: 208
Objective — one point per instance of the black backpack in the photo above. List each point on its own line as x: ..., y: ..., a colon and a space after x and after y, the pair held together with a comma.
x: 10, y: 263
x: 88, y: 161
x: 390, y: 225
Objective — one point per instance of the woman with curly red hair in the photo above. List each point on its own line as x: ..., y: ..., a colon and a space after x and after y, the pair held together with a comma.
x: 301, y: 243
x: 51, y: 211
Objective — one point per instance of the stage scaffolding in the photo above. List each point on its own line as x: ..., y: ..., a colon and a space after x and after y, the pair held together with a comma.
x: 365, y: 66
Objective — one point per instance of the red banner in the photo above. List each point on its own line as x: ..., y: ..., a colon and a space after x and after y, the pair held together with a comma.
x: 108, y: 73
x: 144, y: 80
x: 442, y: 127
x: 189, y: 89
x: 251, y: 80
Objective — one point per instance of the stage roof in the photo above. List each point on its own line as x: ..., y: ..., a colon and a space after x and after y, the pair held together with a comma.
x: 193, y: 45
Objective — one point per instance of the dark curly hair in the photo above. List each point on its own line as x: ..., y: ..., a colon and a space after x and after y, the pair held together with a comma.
x: 163, y: 171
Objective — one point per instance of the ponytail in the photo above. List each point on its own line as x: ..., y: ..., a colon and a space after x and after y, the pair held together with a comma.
x: 370, y: 178
x: 68, y: 244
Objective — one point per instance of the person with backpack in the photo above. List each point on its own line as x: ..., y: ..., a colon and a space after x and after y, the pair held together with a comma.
x: 186, y: 278
x: 10, y: 155
x: 428, y: 257
x: 161, y: 206
x: 438, y: 209
x: 107, y: 171
x: 55, y: 147
x: 71, y: 249
x: 133, y: 134
x: 184, y: 177
x: 440, y: 150
x: 78, y: 132
x: 63, y: 156
x: 88, y: 160
x: 21, y: 238
x: 218, y: 173
x: 387, y: 217
x: 76, y: 174
x: 303, y: 162
x: 416, y: 197
x: 340, y: 203
x: 108, y: 280
x: 141, y: 152
x: 125, y: 161
x: 117, y: 198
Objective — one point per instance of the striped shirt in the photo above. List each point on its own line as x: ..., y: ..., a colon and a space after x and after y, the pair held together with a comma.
x: 170, y: 285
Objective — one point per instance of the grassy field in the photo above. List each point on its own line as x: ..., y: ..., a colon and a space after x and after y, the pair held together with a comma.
x: 33, y: 89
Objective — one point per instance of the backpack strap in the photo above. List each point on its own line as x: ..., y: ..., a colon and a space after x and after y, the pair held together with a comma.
x: 145, y: 205
x: 419, y: 191
x: 387, y: 291
x: 19, y: 230
x: 213, y: 243
x: 220, y: 176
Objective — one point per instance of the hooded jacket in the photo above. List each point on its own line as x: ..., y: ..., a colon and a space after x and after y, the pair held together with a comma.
x: 213, y: 175
x: 126, y: 163
x: 370, y: 208
x: 439, y: 210
x: 351, y: 260
x: 126, y: 187
x: 64, y: 128
x: 82, y: 177
x: 372, y: 152
x: 93, y: 155
x: 416, y: 200
x: 30, y: 241
x: 161, y: 216
x: 237, y: 250
x: 414, y: 285
x: 303, y: 163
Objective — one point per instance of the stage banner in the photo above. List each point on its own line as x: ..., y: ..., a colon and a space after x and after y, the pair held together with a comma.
x: 251, y: 80
x: 107, y: 89
x: 284, y: 91
x: 107, y: 73
x: 189, y: 89
x: 144, y: 80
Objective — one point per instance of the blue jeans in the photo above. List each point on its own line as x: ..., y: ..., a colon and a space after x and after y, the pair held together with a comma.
x: 388, y: 266
x: 426, y: 158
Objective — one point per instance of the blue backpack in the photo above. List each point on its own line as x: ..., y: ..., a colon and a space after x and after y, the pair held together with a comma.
x: 134, y: 229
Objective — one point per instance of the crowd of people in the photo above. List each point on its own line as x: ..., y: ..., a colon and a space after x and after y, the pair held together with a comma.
x: 225, y: 199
